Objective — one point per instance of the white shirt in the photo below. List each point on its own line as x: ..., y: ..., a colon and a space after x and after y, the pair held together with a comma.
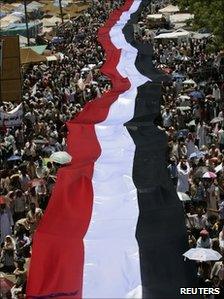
x: 167, y: 119
x: 183, y: 177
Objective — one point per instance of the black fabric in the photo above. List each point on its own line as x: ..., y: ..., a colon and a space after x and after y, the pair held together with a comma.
x: 161, y: 231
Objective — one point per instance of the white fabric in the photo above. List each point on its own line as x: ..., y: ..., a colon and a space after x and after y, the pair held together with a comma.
x: 181, y: 17
x: 176, y: 34
x: 155, y: 16
x: 112, y: 268
x: 12, y: 118
x: 202, y: 254
x: 169, y: 9
x: 183, y: 178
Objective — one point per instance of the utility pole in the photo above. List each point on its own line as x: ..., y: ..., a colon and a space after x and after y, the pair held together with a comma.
x: 61, y: 12
x: 27, y: 24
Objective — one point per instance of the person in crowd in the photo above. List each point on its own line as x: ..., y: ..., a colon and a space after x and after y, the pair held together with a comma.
x: 197, y: 192
x: 24, y: 179
x: 221, y: 240
x: 221, y: 137
x: 191, y: 239
x: 197, y: 221
x: 19, y: 205
x: 172, y: 168
x: 201, y: 134
x: 213, y: 197
x: 7, y: 257
x: 190, y: 145
x: 182, y: 149
x: 32, y: 196
x: 21, y: 276
x: 22, y: 244
x: 204, y: 241
x: 33, y: 217
x: 183, y: 170
x: 217, y: 269
x: 6, y: 221
x: 167, y: 118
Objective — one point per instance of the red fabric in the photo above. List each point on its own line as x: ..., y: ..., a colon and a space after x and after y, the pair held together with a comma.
x: 56, y: 265
x: 2, y: 200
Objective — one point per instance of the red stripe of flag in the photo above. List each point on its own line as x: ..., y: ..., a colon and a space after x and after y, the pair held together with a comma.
x: 56, y: 267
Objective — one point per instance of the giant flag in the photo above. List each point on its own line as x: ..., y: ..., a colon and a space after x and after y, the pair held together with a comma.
x: 114, y: 227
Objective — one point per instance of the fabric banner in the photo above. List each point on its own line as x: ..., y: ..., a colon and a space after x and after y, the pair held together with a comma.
x: 114, y: 226
x: 12, y: 118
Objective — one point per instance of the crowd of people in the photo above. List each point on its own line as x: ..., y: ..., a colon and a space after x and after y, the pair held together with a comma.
x: 54, y: 92
x: 192, y: 116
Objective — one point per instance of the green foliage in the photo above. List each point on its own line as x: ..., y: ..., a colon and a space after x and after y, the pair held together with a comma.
x: 208, y: 14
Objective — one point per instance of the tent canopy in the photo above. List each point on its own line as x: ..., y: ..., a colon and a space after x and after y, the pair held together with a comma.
x: 51, y: 58
x: 169, y: 9
x: 28, y: 55
x: 181, y: 17
x: 176, y: 34
x: 2, y: 14
x: 23, y: 41
x: 30, y: 7
x: 157, y: 16
x: 38, y: 49
x: 198, y: 35
x: 36, y: 4
x: 7, y: 7
x: 18, y: 14
x: 179, y: 25
x: 51, y: 22
x: 8, y: 20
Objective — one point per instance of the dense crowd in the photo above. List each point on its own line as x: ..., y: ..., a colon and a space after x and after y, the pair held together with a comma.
x: 192, y: 116
x: 54, y: 92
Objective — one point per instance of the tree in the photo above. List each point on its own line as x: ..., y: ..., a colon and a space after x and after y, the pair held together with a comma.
x: 208, y: 14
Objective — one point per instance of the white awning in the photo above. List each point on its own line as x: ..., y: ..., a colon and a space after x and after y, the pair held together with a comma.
x: 181, y: 17
x: 155, y: 16
x: 176, y: 34
x: 51, y: 58
x: 169, y: 9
